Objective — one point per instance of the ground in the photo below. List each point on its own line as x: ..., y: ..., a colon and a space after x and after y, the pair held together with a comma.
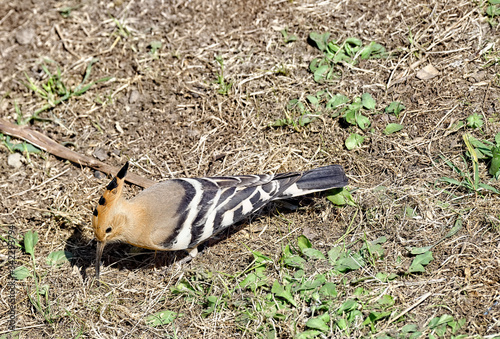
x: 165, y: 108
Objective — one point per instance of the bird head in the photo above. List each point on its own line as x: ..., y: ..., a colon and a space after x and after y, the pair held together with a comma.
x: 108, y: 219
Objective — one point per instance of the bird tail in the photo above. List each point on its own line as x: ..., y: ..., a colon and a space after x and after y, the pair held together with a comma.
x: 316, y: 180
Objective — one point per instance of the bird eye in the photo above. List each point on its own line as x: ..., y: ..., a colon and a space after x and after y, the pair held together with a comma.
x: 108, y: 229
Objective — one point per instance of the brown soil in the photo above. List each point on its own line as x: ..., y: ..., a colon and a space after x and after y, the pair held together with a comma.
x: 163, y: 112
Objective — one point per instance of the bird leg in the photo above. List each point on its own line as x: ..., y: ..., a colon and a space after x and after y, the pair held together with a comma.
x: 192, y: 252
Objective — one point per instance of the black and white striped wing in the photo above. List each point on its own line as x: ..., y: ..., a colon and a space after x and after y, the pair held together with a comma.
x: 212, y: 204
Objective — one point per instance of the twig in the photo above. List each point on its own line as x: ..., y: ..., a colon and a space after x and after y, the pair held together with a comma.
x: 111, y: 48
x: 425, y: 296
x: 64, y: 43
x: 22, y: 328
x: 6, y: 16
x: 47, y: 144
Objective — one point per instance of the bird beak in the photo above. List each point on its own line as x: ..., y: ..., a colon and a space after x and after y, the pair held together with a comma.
x: 98, y: 255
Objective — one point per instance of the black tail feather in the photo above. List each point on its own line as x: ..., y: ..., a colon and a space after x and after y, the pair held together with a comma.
x: 322, y: 178
x: 315, y: 180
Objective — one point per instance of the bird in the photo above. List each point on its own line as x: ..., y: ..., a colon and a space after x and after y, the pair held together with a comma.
x: 180, y: 214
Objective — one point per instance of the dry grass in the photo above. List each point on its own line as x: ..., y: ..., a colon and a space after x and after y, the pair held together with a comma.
x: 163, y: 113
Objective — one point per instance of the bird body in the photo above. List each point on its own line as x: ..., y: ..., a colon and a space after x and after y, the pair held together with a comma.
x: 182, y: 213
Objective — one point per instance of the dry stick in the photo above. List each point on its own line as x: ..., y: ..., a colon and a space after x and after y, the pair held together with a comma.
x: 422, y: 298
x: 47, y: 144
x: 64, y: 42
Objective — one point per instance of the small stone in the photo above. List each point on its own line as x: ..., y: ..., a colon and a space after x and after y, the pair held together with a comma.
x: 309, y: 233
x: 99, y: 175
x: 14, y: 160
x: 134, y: 96
x: 25, y: 35
x: 477, y: 77
x: 428, y: 72
x: 100, y: 154
x: 193, y: 132
x: 118, y: 127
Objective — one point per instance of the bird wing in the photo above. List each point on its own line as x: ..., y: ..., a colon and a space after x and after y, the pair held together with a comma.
x: 214, y: 203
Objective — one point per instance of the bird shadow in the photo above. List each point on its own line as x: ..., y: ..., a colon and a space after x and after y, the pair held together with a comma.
x: 81, y: 252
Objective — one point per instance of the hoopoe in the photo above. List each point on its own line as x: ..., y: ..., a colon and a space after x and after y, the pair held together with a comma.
x: 179, y: 214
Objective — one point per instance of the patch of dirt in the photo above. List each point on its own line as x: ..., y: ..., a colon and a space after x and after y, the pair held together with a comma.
x: 162, y: 111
